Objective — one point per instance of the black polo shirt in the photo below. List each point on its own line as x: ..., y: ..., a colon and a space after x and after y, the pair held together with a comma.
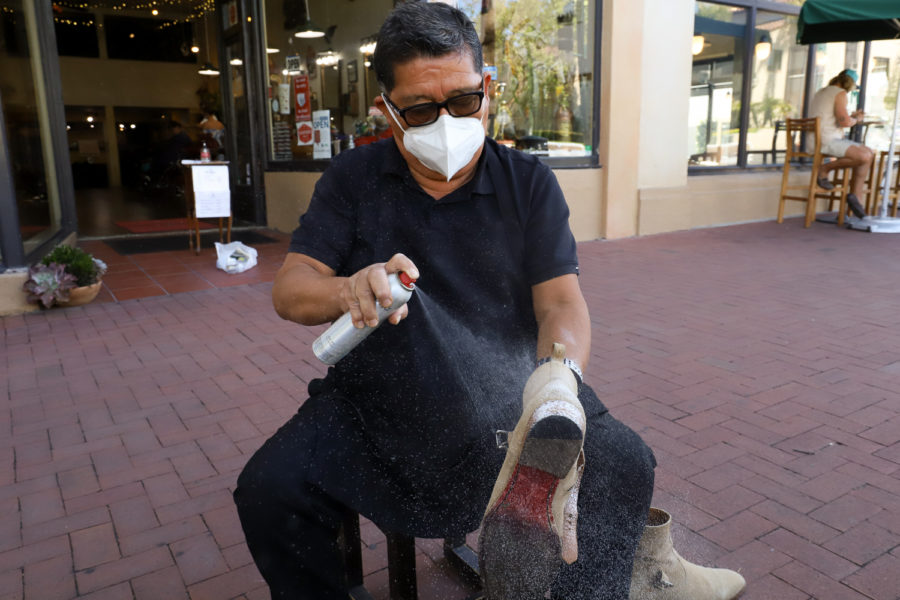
x: 430, y: 392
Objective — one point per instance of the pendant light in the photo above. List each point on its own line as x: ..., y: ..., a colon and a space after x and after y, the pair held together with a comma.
x: 207, y: 68
x: 309, y: 29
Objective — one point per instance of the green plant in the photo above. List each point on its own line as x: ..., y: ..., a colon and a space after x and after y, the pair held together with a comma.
x: 48, y: 284
x: 85, y: 268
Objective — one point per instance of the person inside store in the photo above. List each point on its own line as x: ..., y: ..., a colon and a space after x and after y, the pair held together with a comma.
x: 421, y: 427
x: 212, y: 131
x: 830, y: 105
x: 166, y: 160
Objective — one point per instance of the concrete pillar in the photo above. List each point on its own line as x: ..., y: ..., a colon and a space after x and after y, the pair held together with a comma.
x: 620, y: 114
x: 112, y: 147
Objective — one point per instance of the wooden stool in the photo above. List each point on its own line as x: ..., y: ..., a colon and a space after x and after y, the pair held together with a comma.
x: 810, y: 192
x: 876, y: 185
x: 401, y: 551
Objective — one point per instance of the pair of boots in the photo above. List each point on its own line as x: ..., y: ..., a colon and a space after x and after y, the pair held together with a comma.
x: 530, y: 523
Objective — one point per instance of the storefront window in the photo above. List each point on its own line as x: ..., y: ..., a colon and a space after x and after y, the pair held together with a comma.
x: 777, y: 86
x: 716, y: 83
x: 24, y: 110
x: 881, y: 93
x: 540, y: 55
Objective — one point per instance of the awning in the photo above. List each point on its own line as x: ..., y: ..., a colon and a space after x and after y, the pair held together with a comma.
x: 824, y: 21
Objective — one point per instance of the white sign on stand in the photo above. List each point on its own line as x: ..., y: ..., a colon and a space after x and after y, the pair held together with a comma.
x: 212, y: 193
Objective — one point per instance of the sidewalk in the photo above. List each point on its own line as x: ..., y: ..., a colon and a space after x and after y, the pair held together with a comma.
x: 761, y: 362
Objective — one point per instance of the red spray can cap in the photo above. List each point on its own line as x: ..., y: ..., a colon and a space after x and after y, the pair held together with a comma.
x: 407, y: 281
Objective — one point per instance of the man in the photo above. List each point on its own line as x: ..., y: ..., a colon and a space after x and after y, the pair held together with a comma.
x: 830, y: 105
x: 403, y: 428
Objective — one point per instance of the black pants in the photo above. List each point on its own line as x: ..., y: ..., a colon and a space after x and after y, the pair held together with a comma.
x: 292, y: 525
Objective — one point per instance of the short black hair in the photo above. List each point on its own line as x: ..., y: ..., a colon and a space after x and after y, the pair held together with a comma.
x: 423, y: 29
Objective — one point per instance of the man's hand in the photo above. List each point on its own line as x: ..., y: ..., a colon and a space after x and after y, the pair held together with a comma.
x: 361, y: 290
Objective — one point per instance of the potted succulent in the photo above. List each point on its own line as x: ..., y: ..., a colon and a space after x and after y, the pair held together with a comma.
x: 67, y: 276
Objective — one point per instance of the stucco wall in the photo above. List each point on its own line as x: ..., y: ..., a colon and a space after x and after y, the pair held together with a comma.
x: 715, y: 200
x: 288, y: 195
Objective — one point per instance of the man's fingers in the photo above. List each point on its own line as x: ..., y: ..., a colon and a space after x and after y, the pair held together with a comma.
x: 399, y: 314
x: 401, y: 262
x: 366, y: 298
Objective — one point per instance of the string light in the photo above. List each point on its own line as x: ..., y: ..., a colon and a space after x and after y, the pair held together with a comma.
x: 192, y: 9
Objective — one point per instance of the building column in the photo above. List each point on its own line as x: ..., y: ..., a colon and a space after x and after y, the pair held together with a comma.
x: 112, y: 147
x: 620, y: 115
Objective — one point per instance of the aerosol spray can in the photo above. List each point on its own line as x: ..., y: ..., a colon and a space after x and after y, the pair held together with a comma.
x: 342, y: 337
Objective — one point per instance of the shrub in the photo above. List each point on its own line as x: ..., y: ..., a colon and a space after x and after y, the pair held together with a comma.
x: 85, y: 268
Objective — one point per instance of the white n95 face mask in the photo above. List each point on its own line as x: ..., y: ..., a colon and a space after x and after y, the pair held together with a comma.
x: 445, y: 146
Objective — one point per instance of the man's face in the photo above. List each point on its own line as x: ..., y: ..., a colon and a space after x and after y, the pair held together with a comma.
x: 432, y: 80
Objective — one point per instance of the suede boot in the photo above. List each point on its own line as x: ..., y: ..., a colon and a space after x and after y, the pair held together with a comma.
x: 529, y: 527
x: 661, y: 574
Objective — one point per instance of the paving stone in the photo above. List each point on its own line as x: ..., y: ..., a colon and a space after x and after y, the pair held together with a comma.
x: 767, y: 393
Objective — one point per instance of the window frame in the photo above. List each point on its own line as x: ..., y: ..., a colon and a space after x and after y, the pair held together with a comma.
x: 753, y: 7
x: 591, y: 161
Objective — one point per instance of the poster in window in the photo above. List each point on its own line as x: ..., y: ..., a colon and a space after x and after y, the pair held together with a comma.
x: 322, y: 134
x: 302, y: 106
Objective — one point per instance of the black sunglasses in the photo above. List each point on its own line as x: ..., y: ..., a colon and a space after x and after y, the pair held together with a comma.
x: 419, y: 115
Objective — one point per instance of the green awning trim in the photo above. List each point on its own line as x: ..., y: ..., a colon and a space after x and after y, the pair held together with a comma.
x: 824, y: 21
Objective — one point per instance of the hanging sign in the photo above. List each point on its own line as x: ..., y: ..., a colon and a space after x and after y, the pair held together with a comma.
x: 292, y: 64
x: 284, y: 98
x: 305, y: 133
x: 212, y: 193
x: 231, y: 10
x: 322, y: 134
x: 302, y: 107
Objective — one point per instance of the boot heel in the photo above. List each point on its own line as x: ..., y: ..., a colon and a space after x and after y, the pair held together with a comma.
x: 519, y: 552
x: 553, y: 444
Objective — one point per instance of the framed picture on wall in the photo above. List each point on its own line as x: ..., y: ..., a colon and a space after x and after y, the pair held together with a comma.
x: 351, y: 71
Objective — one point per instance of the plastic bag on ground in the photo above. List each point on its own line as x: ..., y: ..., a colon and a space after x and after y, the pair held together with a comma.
x: 235, y: 257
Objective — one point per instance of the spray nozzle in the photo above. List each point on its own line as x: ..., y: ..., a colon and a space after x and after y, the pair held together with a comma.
x: 407, y: 281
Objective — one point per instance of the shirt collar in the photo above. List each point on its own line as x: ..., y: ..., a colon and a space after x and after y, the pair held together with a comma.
x: 481, y: 183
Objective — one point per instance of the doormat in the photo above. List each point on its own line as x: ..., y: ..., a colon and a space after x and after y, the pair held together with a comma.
x: 159, y: 225
x: 169, y: 243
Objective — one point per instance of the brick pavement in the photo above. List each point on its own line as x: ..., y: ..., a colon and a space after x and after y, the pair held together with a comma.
x: 760, y: 361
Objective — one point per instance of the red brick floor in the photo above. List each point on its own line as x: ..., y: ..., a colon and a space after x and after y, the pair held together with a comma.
x: 761, y: 362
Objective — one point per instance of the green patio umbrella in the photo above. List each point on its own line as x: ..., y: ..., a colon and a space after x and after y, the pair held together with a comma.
x: 823, y: 21
x: 848, y: 21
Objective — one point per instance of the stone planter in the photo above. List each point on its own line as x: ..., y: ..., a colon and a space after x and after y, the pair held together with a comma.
x: 83, y: 295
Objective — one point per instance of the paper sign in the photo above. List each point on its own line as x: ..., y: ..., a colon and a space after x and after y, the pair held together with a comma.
x: 212, y: 204
x: 212, y: 193
x: 321, y: 134
x: 292, y: 64
x: 305, y: 133
x: 302, y: 107
x: 284, y: 98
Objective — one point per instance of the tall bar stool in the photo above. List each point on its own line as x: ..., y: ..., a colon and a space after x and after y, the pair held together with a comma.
x: 875, y: 187
x: 810, y: 193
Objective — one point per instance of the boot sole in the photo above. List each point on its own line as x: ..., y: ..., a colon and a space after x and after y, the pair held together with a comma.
x: 519, y: 551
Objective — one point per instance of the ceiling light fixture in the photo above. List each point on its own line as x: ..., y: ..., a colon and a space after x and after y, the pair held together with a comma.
x: 697, y: 44
x: 309, y: 29
x: 763, y: 47
x: 208, y: 69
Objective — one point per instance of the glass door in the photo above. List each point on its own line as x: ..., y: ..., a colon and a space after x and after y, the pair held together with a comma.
x: 240, y: 103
